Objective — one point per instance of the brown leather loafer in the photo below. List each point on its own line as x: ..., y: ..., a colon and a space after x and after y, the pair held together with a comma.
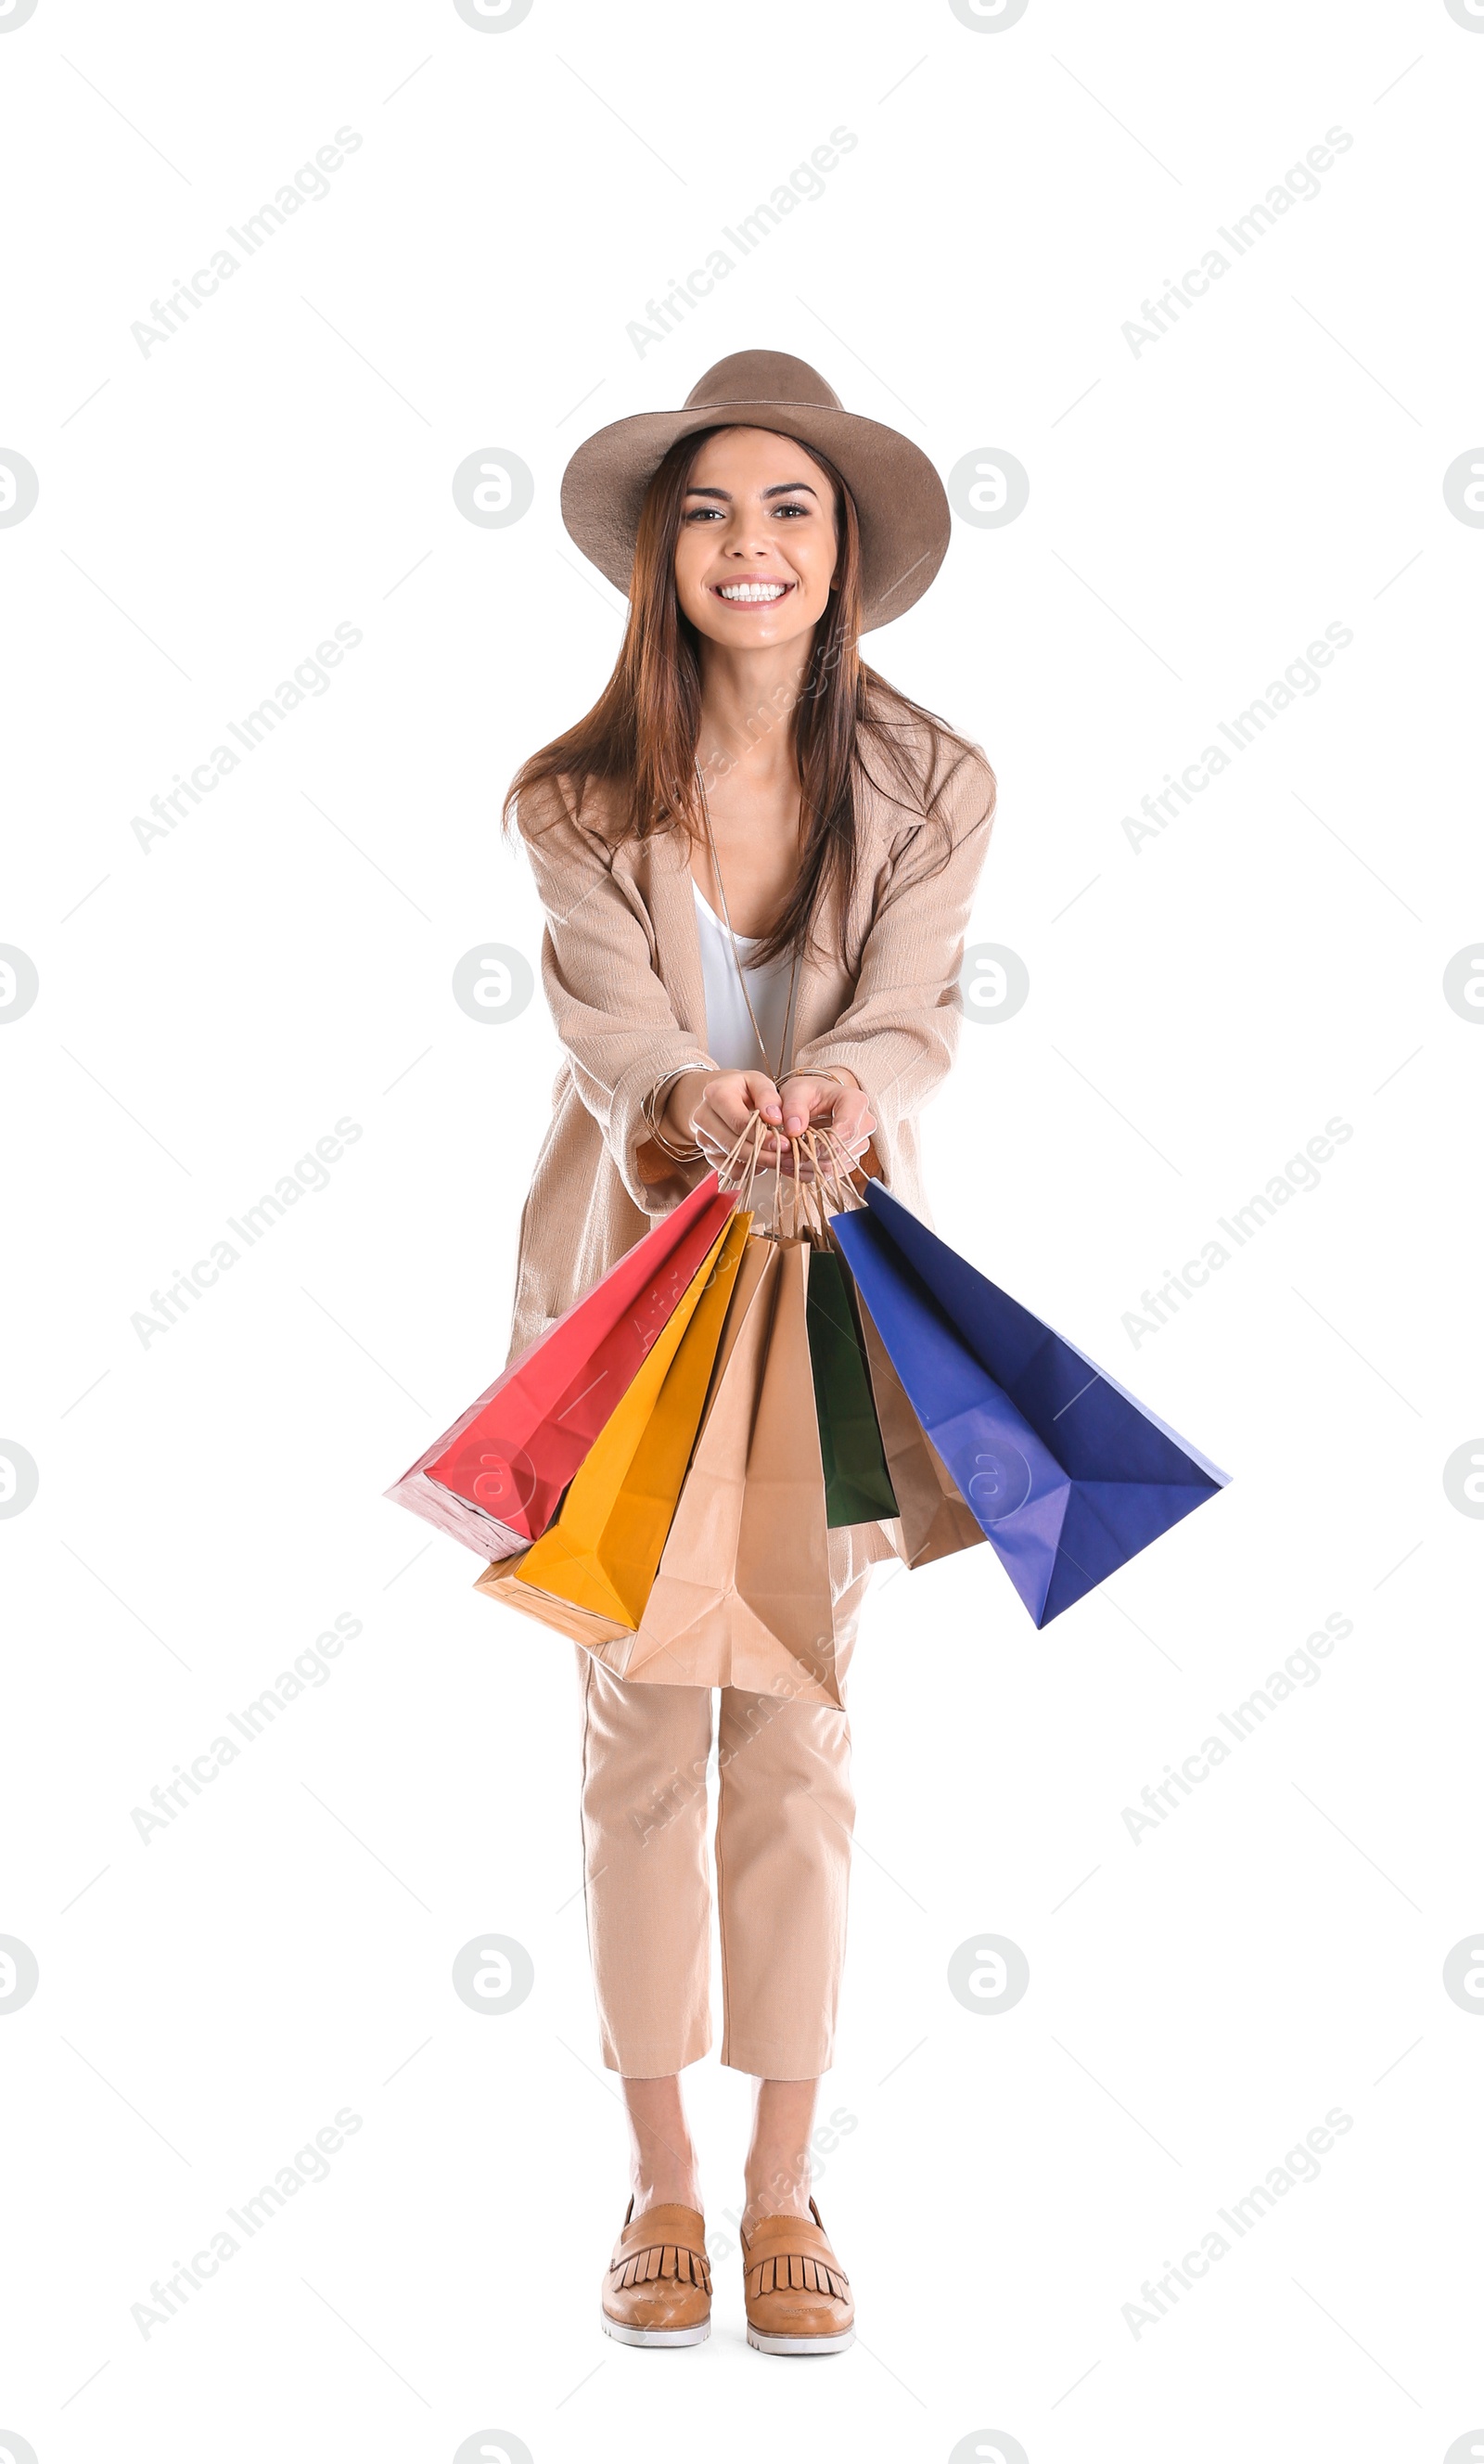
x: 658, y: 2288
x: 798, y: 2297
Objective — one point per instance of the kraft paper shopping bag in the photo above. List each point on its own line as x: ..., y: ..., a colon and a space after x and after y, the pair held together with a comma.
x: 933, y: 1521
x: 743, y: 1593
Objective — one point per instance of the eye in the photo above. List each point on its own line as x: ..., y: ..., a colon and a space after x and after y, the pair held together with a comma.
x: 704, y: 514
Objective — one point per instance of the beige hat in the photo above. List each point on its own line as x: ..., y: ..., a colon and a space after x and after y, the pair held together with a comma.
x: 899, y: 496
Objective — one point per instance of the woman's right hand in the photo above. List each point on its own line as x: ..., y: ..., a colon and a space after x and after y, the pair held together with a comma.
x: 713, y: 1107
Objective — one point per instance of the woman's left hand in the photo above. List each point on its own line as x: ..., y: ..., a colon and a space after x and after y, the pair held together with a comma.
x: 816, y: 1102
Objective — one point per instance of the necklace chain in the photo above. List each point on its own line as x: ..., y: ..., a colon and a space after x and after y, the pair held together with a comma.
x: 736, y: 955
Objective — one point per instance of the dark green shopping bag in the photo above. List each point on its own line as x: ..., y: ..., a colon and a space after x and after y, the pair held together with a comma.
x: 857, y: 1484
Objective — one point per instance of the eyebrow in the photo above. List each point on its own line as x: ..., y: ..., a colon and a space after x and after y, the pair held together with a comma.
x: 783, y: 487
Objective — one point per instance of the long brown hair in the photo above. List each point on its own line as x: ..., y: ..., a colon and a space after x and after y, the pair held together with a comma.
x: 641, y: 735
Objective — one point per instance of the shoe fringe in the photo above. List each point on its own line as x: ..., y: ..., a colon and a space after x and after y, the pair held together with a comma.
x: 660, y: 2259
x: 791, y: 2272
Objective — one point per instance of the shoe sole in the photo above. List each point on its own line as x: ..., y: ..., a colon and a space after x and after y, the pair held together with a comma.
x: 764, y: 2344
x: 658, y: 2336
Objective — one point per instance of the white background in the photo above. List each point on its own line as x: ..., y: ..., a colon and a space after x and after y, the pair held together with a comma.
x: 210, y: 1502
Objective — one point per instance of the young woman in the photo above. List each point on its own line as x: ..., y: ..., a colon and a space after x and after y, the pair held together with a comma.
x: 756, y: 862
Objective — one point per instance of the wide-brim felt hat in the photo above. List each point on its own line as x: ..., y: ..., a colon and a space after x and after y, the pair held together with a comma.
x: 904, y: 513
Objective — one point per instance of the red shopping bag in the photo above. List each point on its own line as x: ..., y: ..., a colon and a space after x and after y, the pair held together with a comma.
x: 496, y: 1479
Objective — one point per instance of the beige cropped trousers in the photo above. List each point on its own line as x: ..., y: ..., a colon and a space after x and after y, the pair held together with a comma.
x: 783, y: 1822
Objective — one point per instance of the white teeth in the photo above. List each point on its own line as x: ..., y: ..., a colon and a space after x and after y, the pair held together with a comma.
x: 754, y: 589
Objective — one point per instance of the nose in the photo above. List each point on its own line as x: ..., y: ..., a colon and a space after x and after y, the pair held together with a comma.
x: 747, y: 533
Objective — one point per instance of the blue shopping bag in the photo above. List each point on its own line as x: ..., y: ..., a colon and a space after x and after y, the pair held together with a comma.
x: 1068, y: 1476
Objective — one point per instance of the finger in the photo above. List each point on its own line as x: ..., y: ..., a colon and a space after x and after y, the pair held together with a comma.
x: 848, y: 1139
x: 798, y: 1104
x: 721, y: 1122
x: 834, y: 1103
x: 763, y: 1096
x: 735, y: 1105
x: 721, y: 1116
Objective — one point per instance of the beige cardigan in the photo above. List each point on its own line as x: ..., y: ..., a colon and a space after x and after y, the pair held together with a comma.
x: 622, y: 967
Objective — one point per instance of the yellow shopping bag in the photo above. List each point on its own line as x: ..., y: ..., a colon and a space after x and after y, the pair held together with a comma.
x: 603, y: 1549
x: 600, y: 1635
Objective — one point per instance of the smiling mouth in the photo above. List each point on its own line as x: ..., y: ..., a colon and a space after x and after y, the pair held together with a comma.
x: 751, y: 594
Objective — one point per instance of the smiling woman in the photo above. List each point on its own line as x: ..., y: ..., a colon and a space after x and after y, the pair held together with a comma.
x: 756, y: 861
x: 754, y: 562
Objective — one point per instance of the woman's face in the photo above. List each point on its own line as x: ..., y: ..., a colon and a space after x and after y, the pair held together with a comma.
x: 756, y: 553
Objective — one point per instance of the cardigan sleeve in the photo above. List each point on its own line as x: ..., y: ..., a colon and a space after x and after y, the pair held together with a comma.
x: 900, y: 1031
x: 609, y: 1007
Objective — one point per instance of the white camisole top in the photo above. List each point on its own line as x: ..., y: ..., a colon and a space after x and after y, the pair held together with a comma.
x: 730, y: 1039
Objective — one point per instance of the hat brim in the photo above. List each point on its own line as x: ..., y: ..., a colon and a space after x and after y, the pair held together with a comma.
x: 904, y: 513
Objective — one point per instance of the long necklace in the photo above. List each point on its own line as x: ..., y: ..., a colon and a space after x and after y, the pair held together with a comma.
x: 736, y: 955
